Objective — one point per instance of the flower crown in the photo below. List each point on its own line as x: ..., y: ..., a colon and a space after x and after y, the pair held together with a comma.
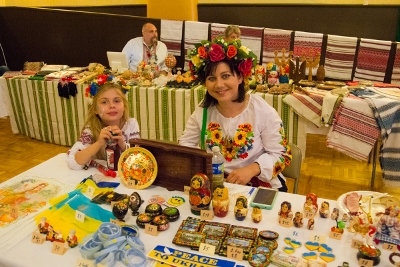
x: 217, y: 50
x: 93, y: 88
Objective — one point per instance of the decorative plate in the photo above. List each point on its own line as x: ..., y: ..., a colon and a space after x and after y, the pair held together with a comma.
x: 137, y: 168
x: 378, y: 204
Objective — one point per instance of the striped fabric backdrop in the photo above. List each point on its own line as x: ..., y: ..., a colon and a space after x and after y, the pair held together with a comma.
x: 396, y: 66
x: 195, y: 32
x: 171, y: 35
x: 275, y: 39
x: 39, y: 112
x: 340, y: 56
x: 372, y: 60
x: 250, y: 36
x: 308, y: 44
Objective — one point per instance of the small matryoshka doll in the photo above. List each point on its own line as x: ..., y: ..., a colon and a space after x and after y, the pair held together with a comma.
x: 298, y: 219
x: 310, y: 224
x: 220, y: 201
x: 260, y: 74
x: 286, y: 210
x: 311, y: 205
x: 256, y: 215
x: 199, y: 193
x: 324, y: 210
x: 241, y: 208
x: 335, y: 214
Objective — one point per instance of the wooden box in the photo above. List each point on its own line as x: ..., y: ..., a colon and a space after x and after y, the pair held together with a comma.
x: 176, y: 164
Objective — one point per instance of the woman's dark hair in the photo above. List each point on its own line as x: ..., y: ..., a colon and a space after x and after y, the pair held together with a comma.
x: 210, y: 69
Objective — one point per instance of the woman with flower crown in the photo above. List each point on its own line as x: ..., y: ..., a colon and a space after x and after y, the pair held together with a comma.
x: 107, y: 119
x: 248, y: 131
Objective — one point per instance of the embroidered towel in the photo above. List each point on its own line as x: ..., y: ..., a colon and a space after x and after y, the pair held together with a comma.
x: 354, y: 130
x: 171, y: 35
x: 275, y: 39
x: 372, y: 60
x: 217, y: 29
x: 339, y: 58
x: 308, y: 106
x: 396, y: 66
x: 309, y: 45
x: 195, y: 32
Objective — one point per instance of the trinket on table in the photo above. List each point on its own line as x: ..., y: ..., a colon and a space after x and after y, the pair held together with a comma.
x: 241, y: 208
x: 199, y: 193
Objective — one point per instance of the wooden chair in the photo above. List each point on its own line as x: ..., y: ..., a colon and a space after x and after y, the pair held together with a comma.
x: 293, y: 170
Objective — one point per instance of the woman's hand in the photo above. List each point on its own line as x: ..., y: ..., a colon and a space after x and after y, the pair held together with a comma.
x: 243, y: 175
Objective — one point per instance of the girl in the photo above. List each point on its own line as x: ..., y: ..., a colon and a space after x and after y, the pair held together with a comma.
x: 108, y: 119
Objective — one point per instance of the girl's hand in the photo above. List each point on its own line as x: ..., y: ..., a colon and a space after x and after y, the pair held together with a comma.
x: 116, y: 134
x: 104, y: 136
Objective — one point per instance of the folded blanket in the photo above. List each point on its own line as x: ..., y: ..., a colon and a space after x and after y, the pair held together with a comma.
x: 354, y: 130
x: 275, y: 39
x: 396, y: 66
x: 308, y: 106
x: 329, y: 104
x: 372, y: 60
x: 194, y: 33
x: 171, y: 35
x: 387, y: 112
x: 339, y: 58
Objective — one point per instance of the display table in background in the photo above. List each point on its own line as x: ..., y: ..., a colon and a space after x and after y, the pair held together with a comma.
x: 36, y: 110
x: 40, y: 255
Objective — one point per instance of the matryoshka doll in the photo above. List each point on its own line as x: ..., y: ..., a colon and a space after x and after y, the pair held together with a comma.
x: 199, y: 193
x: 256, y: 215
x: 241, y: 208
x: 220, y: 201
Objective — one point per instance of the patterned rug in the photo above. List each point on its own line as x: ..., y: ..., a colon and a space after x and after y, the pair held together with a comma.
x: 275, y: 39
x: 396, y: 66
x: 372, y: 60
x: 171, y: 35
x: 194, y: 33
x: 339, y: 58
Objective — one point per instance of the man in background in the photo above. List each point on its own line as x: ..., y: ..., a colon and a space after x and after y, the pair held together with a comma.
x: 146, y: 48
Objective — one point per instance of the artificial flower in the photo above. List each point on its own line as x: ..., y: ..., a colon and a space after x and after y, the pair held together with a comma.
x: 216, y: 53
x: 231, y: 52
x: 245, y: 67
x: 202, y: 52
x: 196, y: 61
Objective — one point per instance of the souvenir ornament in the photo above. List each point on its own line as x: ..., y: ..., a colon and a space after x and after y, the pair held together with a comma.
x: 311, y: 205
x: 143, y: 218
x: 220, y: 201
x: 176, y: 201
x: 134, y: 203
x: 298, y: 219
x: 289, y: 250
x: 43, y: 225
x: 199, y: 193
x: 72, y: 240
x: 286, y: 210
x: 309, y: 255
x: 369, y: 253
x: 153, y: 209
x: 324, y: 210
x: 310, y: 245
x: 120, y: 209
x: 172, y: 213
x: 240, y: 209
x: 256, y: 215
x: 310, y: 224
x: 328, y: 257
x: 269, y: 235
x: 324, y: 248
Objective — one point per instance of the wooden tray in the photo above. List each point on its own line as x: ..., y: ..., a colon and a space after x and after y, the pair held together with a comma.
x: 176, y: 164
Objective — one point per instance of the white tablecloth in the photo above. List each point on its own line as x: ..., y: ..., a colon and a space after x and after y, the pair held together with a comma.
x: 27, y: 253
x: 3, y: 97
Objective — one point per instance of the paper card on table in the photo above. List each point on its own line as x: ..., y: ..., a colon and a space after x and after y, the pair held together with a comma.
x: 150, y: 229
x: 206, y: 215
x: 117, y: 222
x: 38, y: 238
x: 58, y: 248
x: 234, y: 253
x: 14, y: 211
x: 285, y: 222
x: 365, y: 262
x: 80, y: 216
x: 207, y: 249
x: 318, y: 238
x: 186, y: 189
x: 180, y: 258
x: 355, y: 243
x: 130, y: 184
x: 335, y: 235
x: 388, y: 246
x: 90, y: 191
x: 309, y: 215
x: 84, y: 263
